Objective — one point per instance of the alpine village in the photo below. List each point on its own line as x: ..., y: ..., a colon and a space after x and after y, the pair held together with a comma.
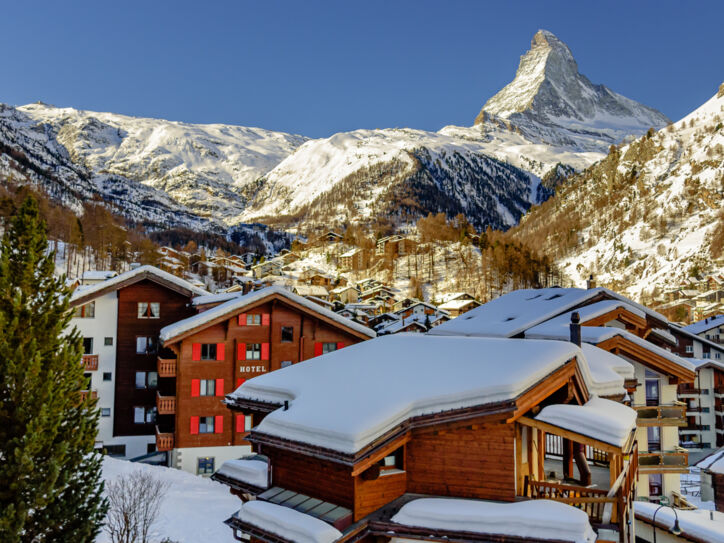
x: 507, y: 332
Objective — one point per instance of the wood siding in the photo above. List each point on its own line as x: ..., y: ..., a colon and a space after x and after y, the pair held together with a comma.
x: 369, y: 496
x: 469, y: 462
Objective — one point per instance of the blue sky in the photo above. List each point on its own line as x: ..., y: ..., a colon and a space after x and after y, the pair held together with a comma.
x: 316, y: 68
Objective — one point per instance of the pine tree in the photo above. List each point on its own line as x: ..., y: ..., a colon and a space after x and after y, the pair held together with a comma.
x: 50, y: 488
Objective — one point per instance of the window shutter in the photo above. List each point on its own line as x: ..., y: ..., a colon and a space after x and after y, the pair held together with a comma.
x: 265, y: 351
x: 219, y: 424
x: 239, y: 382
x: 241, y: 355
x: 219, y: 387
x: 196, y: 351
x: 195, y: 387
x: 220, y: 351
x: 194, y: 425
x: 317, y: 348
x: 340, y: 346
x: 265, y: 319
x: 239, y: 423
x: 242, y: 319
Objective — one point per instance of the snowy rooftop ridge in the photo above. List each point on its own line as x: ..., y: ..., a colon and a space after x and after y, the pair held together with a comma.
x: 180, y: 327
x: 483, y: 371
x: 141, y: 270
x: 704, y: 325
x: 699, y: 523
x: 538, y: 519
x: 287, y: 523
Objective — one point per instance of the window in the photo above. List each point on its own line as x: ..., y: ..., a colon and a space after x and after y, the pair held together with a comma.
x: 108, y: 341
x: 717, y: 355
x: 107, y: 376
x: 393, y: 462
x: 149, y: 310
x: 150, y: 448
x: 206, y: 425
x: 105, y: 411
x: 144, y: 415
x: 243, y: 423
x: 87, y: 311
x: 207, y: 387
x: 689, y: 348
x: 286, y: 363
x: 208, y: 351
x: 87, y: 345
x: 328, y: 347
x: 253, y: 351
x: 706, y: 355
x: 205, y: 466
x: 145, y: 345
x: 287, y: 334
x: 705, y: 427
x: 146, y: 379
x: 705, y: 391
x: 115, y: 450
x: 88, y: 380
x: 704, y: 409
x: 253, y: 320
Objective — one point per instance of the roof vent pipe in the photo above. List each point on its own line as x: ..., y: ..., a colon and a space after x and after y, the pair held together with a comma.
x: 591, y: 282
x: 576, y: 328
x: 286, y: 405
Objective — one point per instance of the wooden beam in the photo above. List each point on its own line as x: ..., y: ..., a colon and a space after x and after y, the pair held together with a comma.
x: 618, y: 344
x: 568, y: 434
x: 378, y: 455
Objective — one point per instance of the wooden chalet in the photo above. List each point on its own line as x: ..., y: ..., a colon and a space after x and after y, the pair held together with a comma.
x: 712, y: 478
x: 234, y: 338
x: 457, y: 425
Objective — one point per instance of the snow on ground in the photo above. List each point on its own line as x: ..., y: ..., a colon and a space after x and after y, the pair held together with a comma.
x: 704, y: 525
x: 194, y: 509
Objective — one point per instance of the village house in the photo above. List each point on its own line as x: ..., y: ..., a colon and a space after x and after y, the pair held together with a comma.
x: 704, y: 400
x: 233, y: 338
x: 458, y: 303
x: 419, y: 309
x: 394, y: 246
x: 712, y: 478
x: 267, y: 267
x: 618, y: 325
x: 354, y: 260
x: 119, y: 319
x: 459, y: 453
x: 311, y: 290
x: 346, y: 294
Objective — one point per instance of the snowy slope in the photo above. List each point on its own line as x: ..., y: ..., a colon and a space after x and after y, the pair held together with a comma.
x: 644, y: 216
x: 202, y: 167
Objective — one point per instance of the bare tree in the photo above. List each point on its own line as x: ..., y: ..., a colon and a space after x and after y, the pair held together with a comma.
x: 134, y: 504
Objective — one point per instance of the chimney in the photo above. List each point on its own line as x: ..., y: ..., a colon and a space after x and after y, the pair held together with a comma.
x: 591, y: 283
x: 576, y: 328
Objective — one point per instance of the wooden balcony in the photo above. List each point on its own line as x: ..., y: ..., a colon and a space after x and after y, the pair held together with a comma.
x: 719, y: 390
x: 85, y: 393
x: 166, y: 367
x: 664, y: 462
x: 661, y: 415
x: 166, y: 405
x: 164, y: 440
x: 90, y: 362
x: 688, y: 388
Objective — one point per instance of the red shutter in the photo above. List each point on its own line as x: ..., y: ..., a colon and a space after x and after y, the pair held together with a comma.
x: 265, y: 319
x: 240, y: 423
x: 241, y: 355
x: 220, y: 351
x: 242, y: 319
x: 195, y: 387
x: 219, y: 424
x: 340, y: 346
x: 265, y: 351
x: 194, y: 425
x: 196, y: 351
x: 219, y: 387
x: 317, y: 349
x: 239, y: 382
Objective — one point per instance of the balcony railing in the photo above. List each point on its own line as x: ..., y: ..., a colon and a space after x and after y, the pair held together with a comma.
x: 554, y: 447
x: 688, y: 388
x: 164, y: 440
x: 664, y: 462
x: 166, y: 367
x: 661, y: 415
x: 719, y: 390
x: 591, y: 500
x: 166, y: 405
x: 90, y: 362
x: 85, y: 393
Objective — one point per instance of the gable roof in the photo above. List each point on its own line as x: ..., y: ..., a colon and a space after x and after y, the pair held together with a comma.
x: 85, y: 294
x: 705, y: 325
x: 180, y: 329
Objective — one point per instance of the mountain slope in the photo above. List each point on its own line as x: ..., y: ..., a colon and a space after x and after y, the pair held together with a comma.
x: 647, y: 215
x: 201, y: 167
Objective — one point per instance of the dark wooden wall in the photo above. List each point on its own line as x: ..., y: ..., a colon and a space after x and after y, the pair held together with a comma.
x: 369, y: 496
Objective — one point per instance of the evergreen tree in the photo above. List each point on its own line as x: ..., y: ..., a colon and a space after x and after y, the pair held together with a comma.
x: 50, y: 487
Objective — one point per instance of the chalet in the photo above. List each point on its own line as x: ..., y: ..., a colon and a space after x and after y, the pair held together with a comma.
x: 618, y: 325
x: 248, y: 258
x: 172, y: 265
x: 268, y: 267
x: 320, y: 279
x: 711, y: 329
x: 680, y: 310
x: 458, y: 303
x: 456, y: 454
x: 210, y: 354
x: 330, y: 237
x: 368, y: 283
x: 394, y: 246
x: 311, y: 290
x: 319, y: 301
x: 421, y: 310
x: 380, y: 291
x: 354, y: 260
x: 92, y: 277
x: 712, y: 478
x: 346, y: 294
x: 119, y: 320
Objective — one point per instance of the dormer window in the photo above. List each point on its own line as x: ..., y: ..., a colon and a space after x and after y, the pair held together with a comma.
x: 393, y: 462
x: 149, y: 310
x: 87, y: 311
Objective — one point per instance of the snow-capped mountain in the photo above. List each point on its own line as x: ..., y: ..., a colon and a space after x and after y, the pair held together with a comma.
x: 201, y: 167
x: 648, y: 215
x: 550, y: 113
x: 398, y: 174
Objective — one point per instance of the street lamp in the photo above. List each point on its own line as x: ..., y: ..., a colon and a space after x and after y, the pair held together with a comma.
x: 674, y: 530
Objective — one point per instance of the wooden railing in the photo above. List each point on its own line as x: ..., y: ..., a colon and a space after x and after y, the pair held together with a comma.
x: 166, y: 367
x: 166, y: 405
x: 84, y: 394
x: 719, y: 390
x: 661, y: 415
x: 90, y: 362
x: 590, y: 500
x: 688, y: 388
x: 664, y: 462
x: 164, y: 440
x: 554, y: 447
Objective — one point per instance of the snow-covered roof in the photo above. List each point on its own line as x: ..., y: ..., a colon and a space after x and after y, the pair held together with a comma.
x: 238, y: 302
x: 98, y: 275
x: 665, y: 335
x: 351, y: 252
x: 311, y: 290
x: 697, y: 523
x: 713, y: 462
x: 215, y: 298
x: 482, y: 371
x: 448, y: 297
x: 136, y: 273
x: 604, y: 420
x: 456, y: 304
x: 287, y: 523
x: 705, y: 325
x: 537, y: 519
x: 608, y: 371
x: 250, y: 471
